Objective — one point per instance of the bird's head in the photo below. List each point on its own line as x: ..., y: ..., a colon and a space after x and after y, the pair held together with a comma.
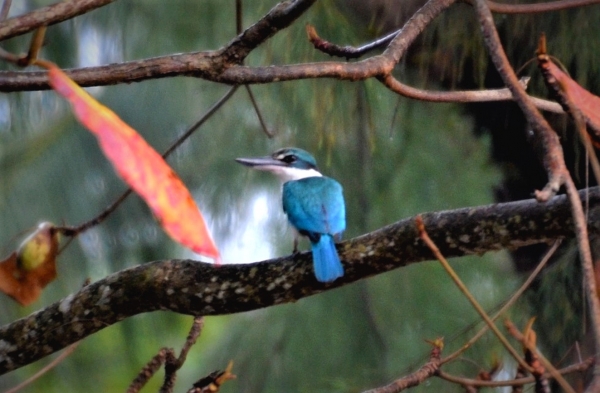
x: 289, y: 163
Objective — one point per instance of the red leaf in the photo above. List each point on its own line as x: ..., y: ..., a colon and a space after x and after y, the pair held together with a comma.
x: 140, y: 166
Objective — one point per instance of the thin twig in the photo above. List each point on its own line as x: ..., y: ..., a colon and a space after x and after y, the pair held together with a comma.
x: 238, y: 30
x: 592, y: 158
x: 545, y: 105
x: 585, y: 254
x: 191, y: 339
x: 426, y: 371
x: 554, y: 373
x: 578, y: 367
x: 353, y: 52
x: 47, y: 16
x: 69, y: 350
x: 238, y: 16
x: 211, y: 111
x: 37, y: 41
x: 258, y: 114
x: 172, y: 365
x: 463, y: 288
x: 5, y: 9
x: 536, y: 8
x: 509, y: 303
x: 167, y: 357
x: 35, y: 45
x: 149, y: 370
x: 349, y: 52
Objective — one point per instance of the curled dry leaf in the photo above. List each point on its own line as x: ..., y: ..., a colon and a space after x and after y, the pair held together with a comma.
x: 572, y: 96
x: 27, y: 271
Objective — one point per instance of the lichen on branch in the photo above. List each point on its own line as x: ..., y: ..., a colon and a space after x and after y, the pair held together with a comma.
x: 196, y: 288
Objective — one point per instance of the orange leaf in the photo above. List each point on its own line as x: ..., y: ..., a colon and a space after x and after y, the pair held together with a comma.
x: 588, y: 103
x: 26, y: 272
x: 140, y: 166
x: 570, y: 94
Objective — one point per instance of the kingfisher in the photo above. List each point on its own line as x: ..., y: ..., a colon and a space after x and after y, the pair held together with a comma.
x: 313, y: 203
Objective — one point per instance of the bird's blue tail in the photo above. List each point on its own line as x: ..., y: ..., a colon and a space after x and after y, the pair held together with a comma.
x: 326, y: 261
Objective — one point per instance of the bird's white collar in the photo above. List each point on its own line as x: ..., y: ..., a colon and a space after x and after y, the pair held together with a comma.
x: 286, y: 174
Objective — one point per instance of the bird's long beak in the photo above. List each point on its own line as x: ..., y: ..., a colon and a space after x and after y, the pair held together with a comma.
x: 258, y: 162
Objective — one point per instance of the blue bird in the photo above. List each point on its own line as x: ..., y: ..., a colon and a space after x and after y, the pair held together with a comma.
x: 314, y: 205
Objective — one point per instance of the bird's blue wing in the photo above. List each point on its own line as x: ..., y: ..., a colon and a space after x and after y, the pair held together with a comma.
x: 315, y: 204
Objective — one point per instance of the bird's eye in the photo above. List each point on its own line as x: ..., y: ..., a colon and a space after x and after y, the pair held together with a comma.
x: 289, y: 159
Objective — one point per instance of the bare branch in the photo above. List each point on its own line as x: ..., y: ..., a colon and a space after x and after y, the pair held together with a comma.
x: 465, y: 291
x: 167, y: 357
x: 552, y: 153
x: 578, y: 367
x: 488, y: 95
x: 263, y: 125
x: 219, y: 66
x: 70, y: 349
x: 536, y: 8
x: 426, y: 371
x: 208, y: 64
x: 278, y: 18
x: 589, y: 276
x: 5, y: 9
x: 538, y: 373
x: 349, y: 52
x: 196, y: 288
x: 47, y: 16
x: 353, y: 52
x: 555, y: 166
x: 76, y: 230
x: 515, y: 296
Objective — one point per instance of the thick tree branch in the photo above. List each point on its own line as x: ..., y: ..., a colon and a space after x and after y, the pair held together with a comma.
x: 68, y: 9
x: 278, y: 18
x: 222, y: 65
x: 195, y: 288
x: 218, y: 66
x: 207, y: 64
x: 281, y: 16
